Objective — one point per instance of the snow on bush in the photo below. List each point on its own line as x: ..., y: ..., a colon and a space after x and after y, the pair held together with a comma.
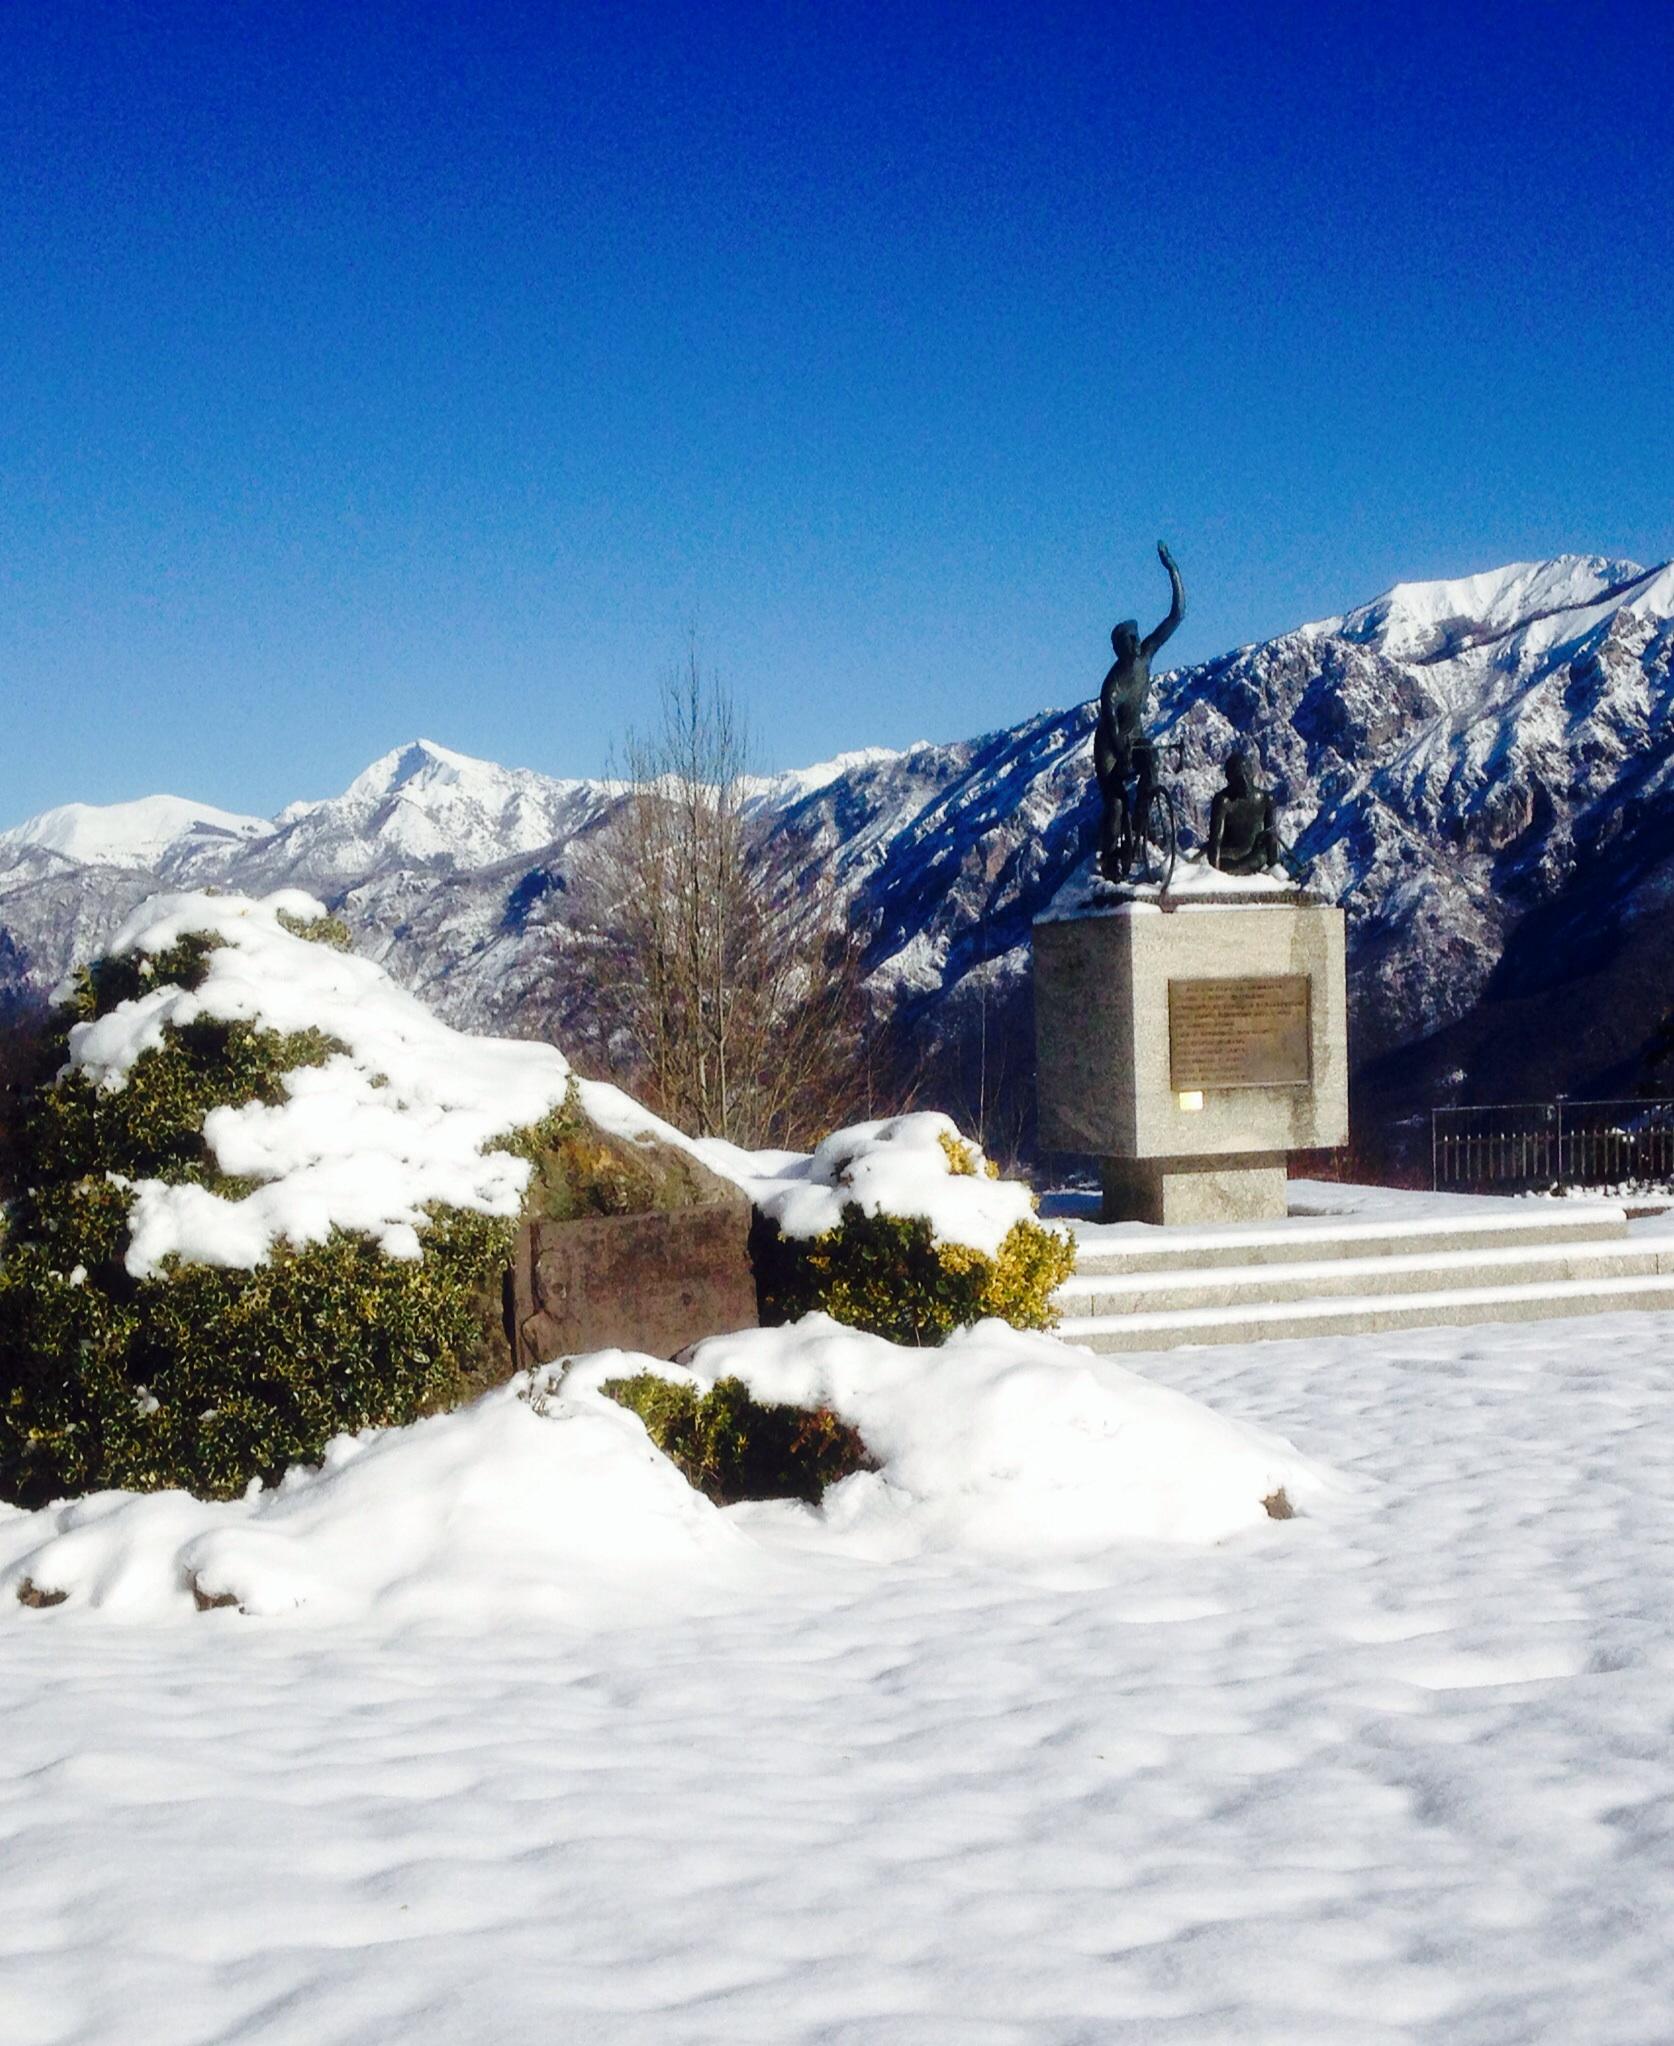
x: 904, y: 1228
x: 901, y: 1227
x: 262, y: 1196
x: 546, y: 1497
x: 915, y: 1167
x: 394, y: 1120
x: 1004, y: 1440
x: 566, y: 1513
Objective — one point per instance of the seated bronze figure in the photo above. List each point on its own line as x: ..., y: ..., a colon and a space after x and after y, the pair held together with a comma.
x: 1243, y: 827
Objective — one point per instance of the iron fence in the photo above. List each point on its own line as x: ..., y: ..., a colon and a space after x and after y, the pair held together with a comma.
x: 1525, y: 1144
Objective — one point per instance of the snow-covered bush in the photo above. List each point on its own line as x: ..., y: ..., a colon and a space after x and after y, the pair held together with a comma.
x: 261, y: 1197
x: 732, y: 1447
x: 542, y: 1501
x: 900, y: 1227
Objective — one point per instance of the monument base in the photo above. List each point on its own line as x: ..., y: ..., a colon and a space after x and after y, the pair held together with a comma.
x: 1189, y: 1053
x: 1177, y: 1192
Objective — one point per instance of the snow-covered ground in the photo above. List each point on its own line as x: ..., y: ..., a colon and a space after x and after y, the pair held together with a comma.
x: 1399, y: 1769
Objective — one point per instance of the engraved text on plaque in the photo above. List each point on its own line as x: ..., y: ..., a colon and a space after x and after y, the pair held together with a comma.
x: 1238, y: 1033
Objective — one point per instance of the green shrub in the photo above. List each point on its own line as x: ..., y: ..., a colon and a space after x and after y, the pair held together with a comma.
x: 318, y: 930
x: 731, y: 1447
x: 203, y: 1376
x: 582, y: 1170
x: 962, y: 1158
x: 888, y: 1274
x: 152, y: 1128
x: 107, y: 983
x: 206, y: 1377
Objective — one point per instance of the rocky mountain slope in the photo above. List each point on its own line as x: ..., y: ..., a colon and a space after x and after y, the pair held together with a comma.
x: 1477, y: 770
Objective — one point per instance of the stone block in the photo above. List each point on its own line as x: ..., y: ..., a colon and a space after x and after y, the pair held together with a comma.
x: 1148, y: 1055
x: 653, y: 1282
x: 1181, y: 1192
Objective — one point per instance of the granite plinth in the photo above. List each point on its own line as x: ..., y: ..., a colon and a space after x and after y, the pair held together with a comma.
x: 1191, y: 1104
x: 1182, y: 1192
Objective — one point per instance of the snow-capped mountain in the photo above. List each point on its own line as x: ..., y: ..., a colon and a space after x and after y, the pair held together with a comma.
x: 137, y: 834
x: 1429, y: 621
x: 421, y: 808
x: 1478, y: 769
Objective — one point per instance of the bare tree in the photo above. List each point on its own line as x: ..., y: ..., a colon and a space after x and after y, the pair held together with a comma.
x: 738, y: 1002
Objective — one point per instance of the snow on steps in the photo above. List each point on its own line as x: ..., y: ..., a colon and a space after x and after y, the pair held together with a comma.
x: 1426, y: 1271
x: 1136, y: 1247
x: 1155, y: 1289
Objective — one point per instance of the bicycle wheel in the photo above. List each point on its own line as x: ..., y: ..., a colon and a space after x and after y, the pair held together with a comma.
x: 1157, y: 844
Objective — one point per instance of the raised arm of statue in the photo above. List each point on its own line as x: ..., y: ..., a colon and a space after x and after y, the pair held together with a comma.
x: 1176, y: 611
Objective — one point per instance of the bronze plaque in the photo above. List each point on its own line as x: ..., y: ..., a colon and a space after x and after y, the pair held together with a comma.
x: 1238, y: 1033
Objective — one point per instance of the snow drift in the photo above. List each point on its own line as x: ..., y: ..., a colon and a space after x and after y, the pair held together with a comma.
x: 1002, y: 1441
x: 564, y: 1512
x: 544, y: 1498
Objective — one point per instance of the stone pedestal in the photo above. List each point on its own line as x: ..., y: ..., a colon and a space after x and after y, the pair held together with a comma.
x: 1181, y: 1191
x: 1190, y: 1050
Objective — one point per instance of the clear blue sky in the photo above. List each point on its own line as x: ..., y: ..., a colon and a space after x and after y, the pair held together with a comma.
x: 372, y: 371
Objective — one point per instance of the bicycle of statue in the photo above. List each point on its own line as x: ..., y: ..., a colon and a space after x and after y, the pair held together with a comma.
x: 1146, y: 843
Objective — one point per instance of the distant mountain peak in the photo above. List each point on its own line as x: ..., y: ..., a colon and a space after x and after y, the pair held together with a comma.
x: 133, y: 834
x: 422, y: 806
x: 422, y: 760
x: 1423, y: 621
x: 791, y: 784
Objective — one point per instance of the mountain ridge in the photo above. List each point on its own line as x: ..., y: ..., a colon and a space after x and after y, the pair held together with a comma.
x: 1507, y: 761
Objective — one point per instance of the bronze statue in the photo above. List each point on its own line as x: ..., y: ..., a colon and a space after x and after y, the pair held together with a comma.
x: 1120, y: 738
x: 1243, y: 829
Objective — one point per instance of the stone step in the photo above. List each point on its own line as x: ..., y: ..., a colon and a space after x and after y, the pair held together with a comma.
x: 1366, y: 1314
x: 1429, y: 1271
x: 1315, y: 1240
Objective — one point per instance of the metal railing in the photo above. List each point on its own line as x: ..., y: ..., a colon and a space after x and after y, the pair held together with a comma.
x: 1525, y: 1144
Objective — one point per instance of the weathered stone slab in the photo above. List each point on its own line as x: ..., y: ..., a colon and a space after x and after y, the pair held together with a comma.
x: 653, y: 1282
x: 626, y: 1242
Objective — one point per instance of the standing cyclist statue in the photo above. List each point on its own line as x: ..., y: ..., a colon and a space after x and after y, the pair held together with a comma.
x: 1123, y: 702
